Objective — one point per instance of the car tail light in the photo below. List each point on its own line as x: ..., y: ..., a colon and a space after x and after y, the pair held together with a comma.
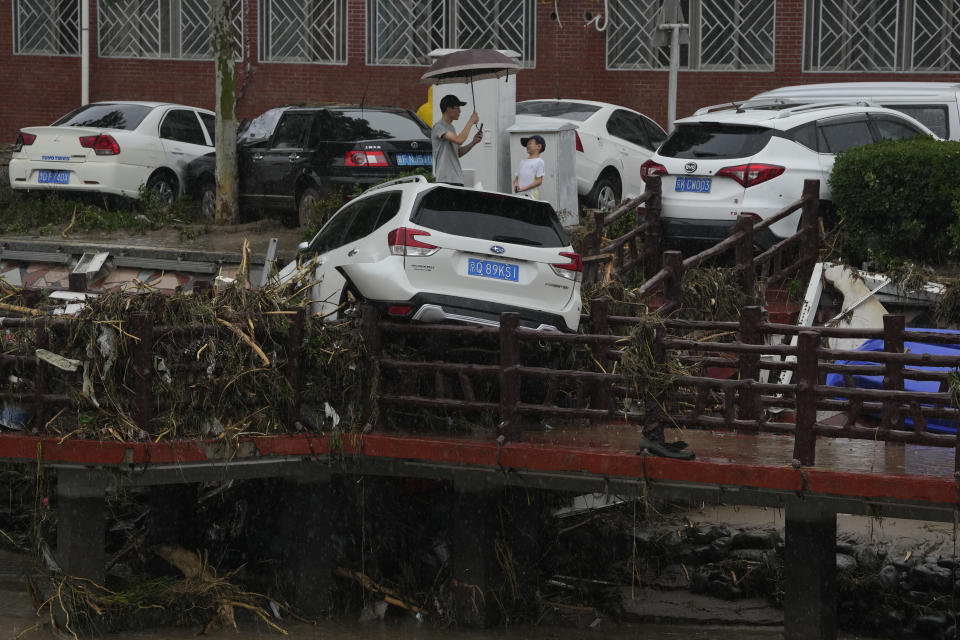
x: 102, y: 145
x: 398, y: 310
x: 651, y: 169
x: 749, y: 175
x: 366, y: 159
x: 23, y: 139
x: 577, y: 138
x: 403, y: 242
x: 572, y: 270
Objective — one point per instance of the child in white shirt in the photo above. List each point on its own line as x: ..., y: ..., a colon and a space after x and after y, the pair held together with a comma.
x: 530, y: 172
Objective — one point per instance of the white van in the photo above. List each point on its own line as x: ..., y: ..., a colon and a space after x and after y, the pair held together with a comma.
x: 935, y: 104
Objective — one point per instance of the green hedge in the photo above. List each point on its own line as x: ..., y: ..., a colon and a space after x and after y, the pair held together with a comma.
x: 899, y: 200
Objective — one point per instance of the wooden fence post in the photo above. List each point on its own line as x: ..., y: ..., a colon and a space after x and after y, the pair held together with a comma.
x: 294, y: 370
x: 809, y: 223
x: 748, y: 404
x: 142, y: 330
x: 653, y: 237
x: 600, y: 324
x: 744, y: 255
x: 373, y: 341
x: 893, y: 329
x: 509, y: 427
x: 673, y: 262
x: 804, y: 443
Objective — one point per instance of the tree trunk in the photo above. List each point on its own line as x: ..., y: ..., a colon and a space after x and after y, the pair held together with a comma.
x: 226, y: 122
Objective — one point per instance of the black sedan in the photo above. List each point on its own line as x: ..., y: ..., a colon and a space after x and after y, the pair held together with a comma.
x: 290, y: 157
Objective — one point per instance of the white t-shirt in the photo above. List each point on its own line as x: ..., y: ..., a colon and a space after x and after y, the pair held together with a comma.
x: 529, y: 170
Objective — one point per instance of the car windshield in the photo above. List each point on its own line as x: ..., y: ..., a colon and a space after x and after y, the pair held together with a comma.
x: 557, y: 109
x: 715, y: 140
x: 261, y: 127
x: 370, y: 124
x: 490, y: 216
x: 106, y: 116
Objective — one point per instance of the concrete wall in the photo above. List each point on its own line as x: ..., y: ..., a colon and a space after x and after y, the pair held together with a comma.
x: 570, y: 63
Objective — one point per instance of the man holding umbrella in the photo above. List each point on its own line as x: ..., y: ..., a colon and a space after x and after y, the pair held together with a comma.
x: 448, y: 145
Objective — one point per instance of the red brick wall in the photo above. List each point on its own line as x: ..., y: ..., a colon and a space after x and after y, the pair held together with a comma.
x: 570, y: 63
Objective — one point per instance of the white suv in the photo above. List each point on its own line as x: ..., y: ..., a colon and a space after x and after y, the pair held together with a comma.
x: 753, y: 159
x: 435, y: 253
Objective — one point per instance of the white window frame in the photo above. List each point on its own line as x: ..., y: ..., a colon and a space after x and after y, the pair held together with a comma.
x: 450, y: 24
x: 53, y: 42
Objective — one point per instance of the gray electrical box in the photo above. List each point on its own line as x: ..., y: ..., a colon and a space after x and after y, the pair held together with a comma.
x: 560, y: 178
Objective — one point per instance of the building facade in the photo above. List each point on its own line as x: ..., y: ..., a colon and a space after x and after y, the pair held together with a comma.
x: 374, y: 51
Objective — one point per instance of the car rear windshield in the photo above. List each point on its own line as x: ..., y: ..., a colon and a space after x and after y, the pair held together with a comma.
x: 490, y: 216
x: 568, y: 110
x: 106, y: 116
x: 370, y: 124
x: 714, y: 140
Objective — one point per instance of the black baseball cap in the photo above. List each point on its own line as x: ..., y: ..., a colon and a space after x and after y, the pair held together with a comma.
x: 538, y: 138
x: 450, y: 100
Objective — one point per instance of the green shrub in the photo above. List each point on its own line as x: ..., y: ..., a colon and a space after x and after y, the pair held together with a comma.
x: 899, y: 200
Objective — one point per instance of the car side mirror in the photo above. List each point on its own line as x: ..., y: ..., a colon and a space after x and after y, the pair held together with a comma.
x: 303, y: 246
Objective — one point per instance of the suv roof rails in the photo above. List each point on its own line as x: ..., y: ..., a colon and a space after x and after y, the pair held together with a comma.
x: 390, y: 183
x: 801, y: 107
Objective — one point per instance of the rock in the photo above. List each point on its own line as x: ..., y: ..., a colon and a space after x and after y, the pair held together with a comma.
x: 947, y: 562
x: 930, y: 626
x: 930, y: 577
x: 846, y: 547
x: 845, y: 562
x: 707, y: 533
x: 752, y: 555
x: 722, y: 545
x: 707, y: 553
x: 753, y: 539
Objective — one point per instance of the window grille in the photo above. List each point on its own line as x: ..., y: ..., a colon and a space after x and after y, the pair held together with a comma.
x: 303, y: 31
x: 46, y: 27
x: 724, y: 35
x: 177, y: 29
x: 936, y: 36
x: 882, y: 35
x: 403, y: 32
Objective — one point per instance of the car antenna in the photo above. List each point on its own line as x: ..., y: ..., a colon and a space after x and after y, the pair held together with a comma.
x: 363, y: 98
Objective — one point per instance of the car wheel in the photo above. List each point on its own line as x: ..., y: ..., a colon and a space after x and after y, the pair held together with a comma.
x: 307, y: 205
x: 165, y: 186
x: 605, y: 193
x: 208, y: 200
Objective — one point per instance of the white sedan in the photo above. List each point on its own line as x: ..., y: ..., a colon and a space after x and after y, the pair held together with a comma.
x: 113, y: 148
x: 611, y: 141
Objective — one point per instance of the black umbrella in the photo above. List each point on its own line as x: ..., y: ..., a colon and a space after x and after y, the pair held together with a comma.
x: 470, y: 64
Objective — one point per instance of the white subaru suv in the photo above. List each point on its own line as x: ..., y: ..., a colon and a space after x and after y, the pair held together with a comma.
x: 437, y: 253
x: 752, y: 159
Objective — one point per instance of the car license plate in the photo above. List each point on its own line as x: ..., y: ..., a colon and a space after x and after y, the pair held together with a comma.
x: 50, y: 176
x: 695, y: 185
x: 490, y: 269
x: 414, y: 159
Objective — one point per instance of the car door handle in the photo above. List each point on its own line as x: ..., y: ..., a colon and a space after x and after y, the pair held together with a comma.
x: 352, y: 253
x: 258, y: 156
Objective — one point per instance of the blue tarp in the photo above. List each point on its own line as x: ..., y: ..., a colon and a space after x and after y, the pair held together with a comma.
x: 936, y: 425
